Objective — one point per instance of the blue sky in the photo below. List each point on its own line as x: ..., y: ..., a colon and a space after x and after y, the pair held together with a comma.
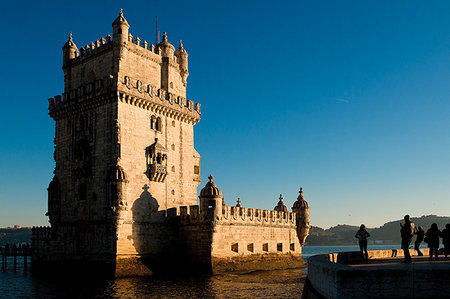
x: 349, y: 99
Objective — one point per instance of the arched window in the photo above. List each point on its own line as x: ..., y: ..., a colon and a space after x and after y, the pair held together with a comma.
x: 159, y: 124
x: 82, y: 191
x: 90, y: 77
x: 153, y: 122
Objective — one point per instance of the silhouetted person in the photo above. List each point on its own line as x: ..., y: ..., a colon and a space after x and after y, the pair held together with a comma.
x: 362, y: 234
x: 432, y: 238
x: 420, y: 233
x: 407, y: 233
x: 445, y: 234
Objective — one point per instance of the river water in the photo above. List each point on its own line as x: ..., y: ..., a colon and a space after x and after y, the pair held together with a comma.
x: 260, y: 284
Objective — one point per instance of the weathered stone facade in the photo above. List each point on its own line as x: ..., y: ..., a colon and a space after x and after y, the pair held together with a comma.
x: 126, y: 176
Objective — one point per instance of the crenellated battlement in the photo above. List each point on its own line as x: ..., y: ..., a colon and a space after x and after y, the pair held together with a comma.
x: 145, y: 46
x: 93, y: 48
x: 146, y: 95
x: 41, y: 232
x: 98, y: 88
x: 150, y: 51
x: 237, y: 215
x: 153, y: 99
x: 249, y: 215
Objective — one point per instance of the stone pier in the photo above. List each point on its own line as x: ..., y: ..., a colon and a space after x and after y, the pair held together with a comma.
x: 347, y: 275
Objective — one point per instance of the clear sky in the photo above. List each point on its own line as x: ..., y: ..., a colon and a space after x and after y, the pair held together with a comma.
x: 349, y: 99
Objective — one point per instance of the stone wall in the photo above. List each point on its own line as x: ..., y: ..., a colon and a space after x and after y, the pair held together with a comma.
x: 241, y: 239
x: 331, y: 276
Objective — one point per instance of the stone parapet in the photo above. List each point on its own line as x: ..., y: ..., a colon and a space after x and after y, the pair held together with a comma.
x: 257, y: 216
x: 94, y: 90
x: 41, y: 232
x: 237, y: 215
x: 138, y: 93
x: 348, y: 275
x: 92, y: 49
x: 40, y: 240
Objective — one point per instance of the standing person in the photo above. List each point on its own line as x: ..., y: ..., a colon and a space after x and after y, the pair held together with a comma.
x: 432, y: 238
x: 362, y: 234
x: 445, y: 234
x: 420, y: 235
x: 407, y: 232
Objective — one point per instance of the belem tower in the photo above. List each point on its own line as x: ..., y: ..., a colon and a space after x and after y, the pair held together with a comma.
x: 123, y: 198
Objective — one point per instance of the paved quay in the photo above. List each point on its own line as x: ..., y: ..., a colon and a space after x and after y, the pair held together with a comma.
x: 397, y: 263
x: 384, y: 275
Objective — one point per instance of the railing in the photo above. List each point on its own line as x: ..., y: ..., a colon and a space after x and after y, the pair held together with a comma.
x: 15, y: 251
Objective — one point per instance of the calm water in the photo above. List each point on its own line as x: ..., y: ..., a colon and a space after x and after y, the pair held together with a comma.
x: 261, y: 284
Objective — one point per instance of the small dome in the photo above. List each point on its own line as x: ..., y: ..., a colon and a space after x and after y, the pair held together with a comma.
x: 181, y: 51
x: 121, y: 19
x: 210, y: 189
x: 70, y: 43
x: 281, y: 207
x: 167, y: 48
x: 301, y: 202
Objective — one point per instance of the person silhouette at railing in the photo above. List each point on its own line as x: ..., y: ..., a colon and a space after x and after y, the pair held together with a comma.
x: 445, y: 235
x: 432, y: 238
x: 362, y: 234
x: 420, y: 233
x: 407, y: 233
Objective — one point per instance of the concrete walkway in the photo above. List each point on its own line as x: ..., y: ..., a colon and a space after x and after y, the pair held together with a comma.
x: 397, y: 262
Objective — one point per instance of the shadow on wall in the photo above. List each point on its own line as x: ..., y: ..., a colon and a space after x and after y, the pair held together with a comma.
x: 145, y: 212
x: 154, y: 237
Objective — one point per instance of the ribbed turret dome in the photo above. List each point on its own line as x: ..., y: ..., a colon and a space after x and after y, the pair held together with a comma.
x: 165, y: 42
x: 181, y: 50
x: 210, y: 190
x: 281, y: 207
x: 301, y: 202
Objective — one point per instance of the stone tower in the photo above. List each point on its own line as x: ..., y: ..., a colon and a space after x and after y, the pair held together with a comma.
x: 124, y: 146
x: 301, y: 208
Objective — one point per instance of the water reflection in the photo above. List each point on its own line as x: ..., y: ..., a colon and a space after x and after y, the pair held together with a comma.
x: 278, y: 284
x: 261, y: 284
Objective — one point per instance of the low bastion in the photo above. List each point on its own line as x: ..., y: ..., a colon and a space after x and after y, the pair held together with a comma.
x: 347, y: 275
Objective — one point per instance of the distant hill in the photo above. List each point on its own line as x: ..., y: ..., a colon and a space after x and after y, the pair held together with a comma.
x: 388, y: 233
x: 15, y: 235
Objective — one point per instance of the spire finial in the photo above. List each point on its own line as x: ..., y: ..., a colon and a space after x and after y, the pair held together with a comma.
x: 164, y: 36
x: 238, y: 202
x: 70, y: 36
x: 301, y: 191
x: 181, y: 44
x: 211, y: 178
x: 281, y: 198
x: 121, y: 12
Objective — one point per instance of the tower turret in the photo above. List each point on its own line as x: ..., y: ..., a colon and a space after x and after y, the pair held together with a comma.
x: 211, y: 197
x: 167, y: 49
x: 120, y: 29
x: 182, y: 58
x: 70, y: 50
x: 301, y: 208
